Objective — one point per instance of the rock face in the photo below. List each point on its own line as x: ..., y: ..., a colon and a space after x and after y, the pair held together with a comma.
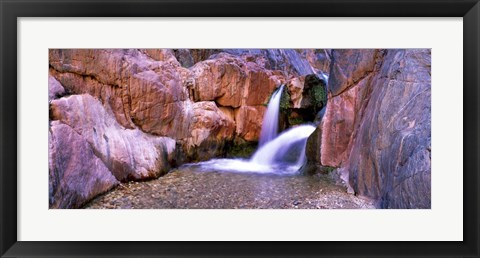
x: 76, y: 173
x: 396, y: 165
x: 129, y: 82
x: 289, y: 61
x: 129, y: 154
x: 377, y: 125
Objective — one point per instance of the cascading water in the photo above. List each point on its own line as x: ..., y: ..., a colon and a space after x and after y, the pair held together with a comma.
x: 288, y: 148
x: 284, y: 154
x: 270, y: 119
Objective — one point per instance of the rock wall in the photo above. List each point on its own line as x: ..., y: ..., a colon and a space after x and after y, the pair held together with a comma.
x: 377, y: 126
x: 134, y: 113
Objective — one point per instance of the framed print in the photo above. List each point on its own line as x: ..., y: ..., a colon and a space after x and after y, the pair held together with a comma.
x: 274, y: 128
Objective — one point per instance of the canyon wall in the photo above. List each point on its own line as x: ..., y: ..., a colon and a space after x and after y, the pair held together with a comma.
x: 377, y: 126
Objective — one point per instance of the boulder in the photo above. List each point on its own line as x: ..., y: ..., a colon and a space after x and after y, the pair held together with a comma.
x: 76, y: 174
x: 249, y: 121
x: 233, y: 81
x: 221, y: 80
x: 260, y: 84
x: 129, y: 154
x: 209, y: 122
x: 144, y: 88
x: 114, y: 97
x: 210, y: 130
x: 295, y: 88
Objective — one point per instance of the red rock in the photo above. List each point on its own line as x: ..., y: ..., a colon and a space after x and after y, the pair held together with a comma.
x: 209, y: 122
x: 221, y: 80
x: 377, y: 124
x: 230, y: 80
x: 129, y: 154
x: 260, y: 85
x: 249, y: 122
x: 140, y: 91
x: 338, y: 126
x: 351, y: 66
x: 76, y: 174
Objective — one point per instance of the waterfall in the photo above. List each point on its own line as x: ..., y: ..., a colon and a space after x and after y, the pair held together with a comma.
x: 282, y: 154
x: 270, y: 119
x: 289, y: 147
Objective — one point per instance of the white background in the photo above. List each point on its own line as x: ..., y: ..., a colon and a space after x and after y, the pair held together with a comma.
x: 443, y: 222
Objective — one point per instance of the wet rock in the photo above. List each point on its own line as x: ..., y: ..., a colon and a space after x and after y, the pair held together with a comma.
x: 76, y: 174
x: 313, y: 151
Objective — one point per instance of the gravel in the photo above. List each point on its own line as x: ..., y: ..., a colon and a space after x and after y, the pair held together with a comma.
x: 189, y: 188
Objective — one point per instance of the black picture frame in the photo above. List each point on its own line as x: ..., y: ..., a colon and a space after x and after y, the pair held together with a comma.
x: 11, y: 10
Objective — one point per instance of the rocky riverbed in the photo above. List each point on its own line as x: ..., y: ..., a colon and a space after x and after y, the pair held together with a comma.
x: 189, y: 187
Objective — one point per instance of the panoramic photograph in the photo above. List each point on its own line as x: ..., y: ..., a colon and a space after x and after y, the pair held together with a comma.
x: 239, y: 128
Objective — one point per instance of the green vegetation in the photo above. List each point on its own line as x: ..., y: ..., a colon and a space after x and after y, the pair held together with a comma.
x: 295, y: 120
x: 240, y: 150
x: 327, y: 169
x: 285, y: 100
x: 319, y: 96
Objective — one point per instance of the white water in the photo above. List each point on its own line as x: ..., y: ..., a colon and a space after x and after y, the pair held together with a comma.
x: 270, y: 119
x: 287, y: 143
x: 284, y: 154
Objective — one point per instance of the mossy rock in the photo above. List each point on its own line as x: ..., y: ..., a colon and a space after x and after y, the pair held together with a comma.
x: 316, y: 90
